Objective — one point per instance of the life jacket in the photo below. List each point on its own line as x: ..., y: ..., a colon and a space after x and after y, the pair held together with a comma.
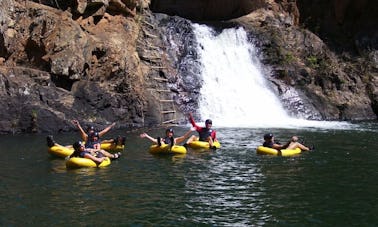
x: 82, y: 154
x: 204, y: 134
x: 268, y: 144
x: 91, y: 142
x: 167, y: 140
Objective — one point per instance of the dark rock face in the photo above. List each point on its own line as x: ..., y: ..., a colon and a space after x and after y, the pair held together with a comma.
x: 56, y: 66
x: 336, y: 78
x: 63, y: 60
x: 215, y: 10
x: 346, y: 25
x: 183, y: 57
x: 338, y: 85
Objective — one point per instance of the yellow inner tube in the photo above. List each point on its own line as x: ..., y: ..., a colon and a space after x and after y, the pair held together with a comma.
x: 167, y: 149
x: 63, y: 152
x: 203, y: 145
x: 271, y: 151
x: 77, y: 162
x: 111, y: 148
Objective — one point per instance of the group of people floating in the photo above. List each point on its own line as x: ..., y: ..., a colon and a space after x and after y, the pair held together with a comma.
x: 206, y: 134
x: 90, y: 146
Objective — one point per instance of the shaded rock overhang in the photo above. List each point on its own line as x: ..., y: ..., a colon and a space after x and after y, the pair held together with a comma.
x: 206, y: 10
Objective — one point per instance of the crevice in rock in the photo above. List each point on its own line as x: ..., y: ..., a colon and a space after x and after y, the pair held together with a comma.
x: 58, y: 4
x: 35, y: 55
x: 3, y: 50
x: 99, y: 53
x: 62, y: 81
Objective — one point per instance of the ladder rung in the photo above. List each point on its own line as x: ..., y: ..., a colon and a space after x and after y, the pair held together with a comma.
x: 166, y: 100
x: 146, y: 45
x: 148, y: 23
x: 161, y: 79
x: 151, y: 57
x: 152, y: 47
x: 150, y: 35
x: 161, y: 90
x: 169, y: 121
x: 168, y: 111
x: 157, y: 67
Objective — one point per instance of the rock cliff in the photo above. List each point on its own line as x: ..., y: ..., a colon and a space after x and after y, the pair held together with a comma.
x: 96, y: 61
x: 59, y: 64
x: 327, y: 50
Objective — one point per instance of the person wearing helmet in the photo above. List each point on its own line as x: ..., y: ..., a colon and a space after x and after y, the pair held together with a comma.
x: 118, y: 141
x: 169, y: 137
x: 292, y: 144
x: 97, y: 155
x: 206, y: 133
x: 90, y: 136
x: 93, y: 141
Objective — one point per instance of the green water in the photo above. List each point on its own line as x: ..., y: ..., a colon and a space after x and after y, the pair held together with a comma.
x: 335, y: 185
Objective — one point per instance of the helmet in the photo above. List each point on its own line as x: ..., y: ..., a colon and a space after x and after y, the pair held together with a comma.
x: 208, y: 121
x: 91, y: 128
x: 93, y: 134
x: 268, y: 136
x: 77, y: 145
x: 169, y: 130
x: 121, y: 139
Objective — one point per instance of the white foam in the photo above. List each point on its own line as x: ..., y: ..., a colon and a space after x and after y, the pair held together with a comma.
x: 235, y: 92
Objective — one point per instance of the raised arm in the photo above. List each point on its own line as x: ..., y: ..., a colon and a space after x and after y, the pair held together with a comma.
x: 105, y: 130
x: 191, y: 119
x: 145, y: 135
x: 83, y: 134
x: 186, y: 135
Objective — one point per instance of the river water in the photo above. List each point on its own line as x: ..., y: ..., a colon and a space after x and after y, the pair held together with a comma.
x: 335, y: 185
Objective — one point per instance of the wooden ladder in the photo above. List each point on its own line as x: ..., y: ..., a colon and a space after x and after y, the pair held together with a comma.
x: 159, y: 88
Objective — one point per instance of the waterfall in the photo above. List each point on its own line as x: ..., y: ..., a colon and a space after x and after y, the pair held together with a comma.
x: 234, y: 91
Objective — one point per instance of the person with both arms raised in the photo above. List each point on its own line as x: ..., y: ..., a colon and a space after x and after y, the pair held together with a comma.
x: 168, y: 139
x: 88, y: 137
x: 206, y: 133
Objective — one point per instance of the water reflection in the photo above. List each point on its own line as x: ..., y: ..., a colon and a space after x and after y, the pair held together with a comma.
x: 58, y: 165
x: 222, y: 186
x: 231, y: 186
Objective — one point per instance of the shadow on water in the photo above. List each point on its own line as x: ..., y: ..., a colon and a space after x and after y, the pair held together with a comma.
x: 333, y: 185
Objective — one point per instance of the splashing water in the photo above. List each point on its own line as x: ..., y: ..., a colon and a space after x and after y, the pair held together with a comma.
x: 235, y: 92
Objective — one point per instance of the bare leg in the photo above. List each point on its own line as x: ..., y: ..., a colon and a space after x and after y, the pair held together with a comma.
x: 110, y: 155
x: 294, y: 145
x: 191, y: 139
x: 211, y: 142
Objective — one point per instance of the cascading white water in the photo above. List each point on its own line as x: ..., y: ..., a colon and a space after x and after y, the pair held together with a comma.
x: 235, y: 92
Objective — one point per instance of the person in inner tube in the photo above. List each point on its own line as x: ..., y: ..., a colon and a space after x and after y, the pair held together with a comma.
x: 97, y: 155
x: 206, y: 133
x: 169, y: 137
x: 118, y: 141
x: 292, y: 144
x: 89, y: 136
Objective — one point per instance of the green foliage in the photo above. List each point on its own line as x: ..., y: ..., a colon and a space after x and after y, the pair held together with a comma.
x: 313, y: 61
x: 34, y: 114
x: 289, y: 57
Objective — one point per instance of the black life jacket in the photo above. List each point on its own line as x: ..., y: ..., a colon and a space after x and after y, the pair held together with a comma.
x: 268, y: 144
x: 167, y: 140
x: 204, y: 134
